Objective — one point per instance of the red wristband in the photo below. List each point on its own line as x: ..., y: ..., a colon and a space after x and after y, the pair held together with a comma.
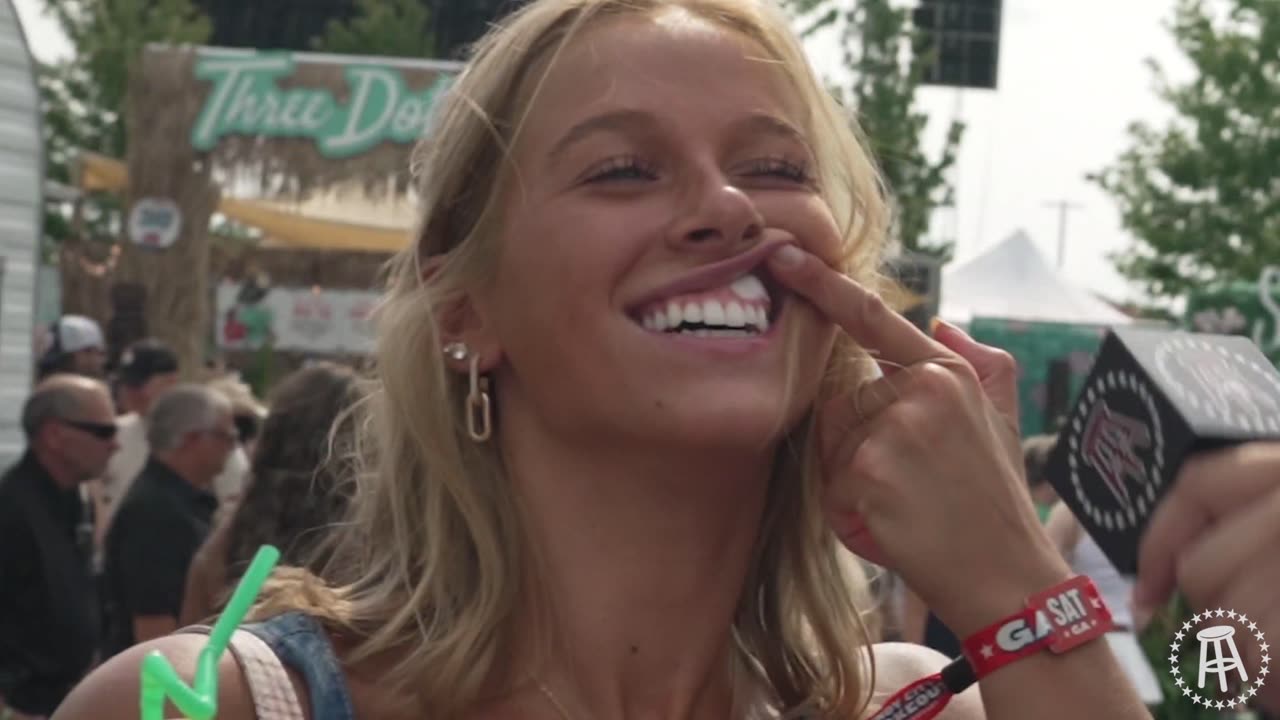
x: 1063, y: 617
x: 1060, y: 618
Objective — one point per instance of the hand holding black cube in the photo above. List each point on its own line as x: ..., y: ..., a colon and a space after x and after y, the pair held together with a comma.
x: 1153, y: 398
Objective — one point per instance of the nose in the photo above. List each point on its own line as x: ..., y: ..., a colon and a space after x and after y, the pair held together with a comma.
x: 717, y: 217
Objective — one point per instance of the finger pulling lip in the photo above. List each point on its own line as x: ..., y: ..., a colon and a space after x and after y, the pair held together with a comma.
x: 711, y: 276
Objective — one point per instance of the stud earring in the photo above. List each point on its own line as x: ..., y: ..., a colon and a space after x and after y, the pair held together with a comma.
x: 457, y: 351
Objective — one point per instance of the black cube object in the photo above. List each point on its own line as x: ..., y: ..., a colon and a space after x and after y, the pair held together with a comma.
x: 1152, y: 398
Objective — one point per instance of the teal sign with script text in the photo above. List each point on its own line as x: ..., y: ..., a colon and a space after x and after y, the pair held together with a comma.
x: 246, y: 99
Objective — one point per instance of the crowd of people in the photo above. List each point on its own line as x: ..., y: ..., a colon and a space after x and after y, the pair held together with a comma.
x: 131, y: 513
x: 637, y: 406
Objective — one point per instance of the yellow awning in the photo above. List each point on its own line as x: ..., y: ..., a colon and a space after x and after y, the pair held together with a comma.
x: 105, y: 174
x: 300, y: 231
x: 100, y: 173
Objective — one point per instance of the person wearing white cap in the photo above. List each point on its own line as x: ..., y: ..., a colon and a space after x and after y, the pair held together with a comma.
x: 76, y: 346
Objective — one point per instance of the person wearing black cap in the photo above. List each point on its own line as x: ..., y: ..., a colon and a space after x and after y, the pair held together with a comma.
x: 147, y: 369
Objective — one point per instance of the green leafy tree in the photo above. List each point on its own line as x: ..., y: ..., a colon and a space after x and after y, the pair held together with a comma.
x: 877, y: 39
x: 399, y: 28
x: 272, y: 24
x: 455, y: 25
x: 84, y: 96
x: 452, y: 25
x: 1199, y: 194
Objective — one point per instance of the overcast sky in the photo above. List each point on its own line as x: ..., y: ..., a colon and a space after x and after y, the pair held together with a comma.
x: 1072, y: 77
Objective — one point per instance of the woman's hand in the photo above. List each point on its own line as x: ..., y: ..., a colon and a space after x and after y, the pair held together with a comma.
x: 923, y: 466
x: 1216, y: 537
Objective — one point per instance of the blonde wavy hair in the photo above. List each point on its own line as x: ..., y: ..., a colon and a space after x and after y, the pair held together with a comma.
x: 432, y: 566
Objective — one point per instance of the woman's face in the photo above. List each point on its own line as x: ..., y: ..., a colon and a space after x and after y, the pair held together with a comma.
x: 655, y: 167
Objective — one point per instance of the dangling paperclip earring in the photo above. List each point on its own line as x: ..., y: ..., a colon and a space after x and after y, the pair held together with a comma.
x: 478, y: 406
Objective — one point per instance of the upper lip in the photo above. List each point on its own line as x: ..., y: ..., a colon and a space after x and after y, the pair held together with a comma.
x: 717, y: 274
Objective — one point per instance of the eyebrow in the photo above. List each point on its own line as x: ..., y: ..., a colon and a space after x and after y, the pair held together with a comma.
x: 616, y: 121
x: 632, y: 120
x: 765, y: 124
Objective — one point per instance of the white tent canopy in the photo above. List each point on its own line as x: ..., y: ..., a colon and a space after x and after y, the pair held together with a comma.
x: 1014, y: 281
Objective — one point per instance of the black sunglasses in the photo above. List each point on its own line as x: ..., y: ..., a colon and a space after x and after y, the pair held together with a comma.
x: 102, y: 431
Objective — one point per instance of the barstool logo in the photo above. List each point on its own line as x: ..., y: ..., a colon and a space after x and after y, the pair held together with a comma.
x: 1110, y: 447
x: 1220, y: 382
x: 1116, y: 437
x: 1214, y: 673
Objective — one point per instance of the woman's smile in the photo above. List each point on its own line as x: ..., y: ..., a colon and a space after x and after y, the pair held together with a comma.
x: 732, y: 306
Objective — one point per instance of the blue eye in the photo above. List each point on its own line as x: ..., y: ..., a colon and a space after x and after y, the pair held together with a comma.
x: 780, y: 167
x: 627, y: 167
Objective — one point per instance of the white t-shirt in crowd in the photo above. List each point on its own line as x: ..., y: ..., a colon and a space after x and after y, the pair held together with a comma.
x: 126, y: 463
x: 229, y: 485
x: 1115, y: 589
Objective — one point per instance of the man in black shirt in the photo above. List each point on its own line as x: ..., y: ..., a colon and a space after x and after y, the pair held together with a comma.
x: 166, y: 514
x: 49, y: 616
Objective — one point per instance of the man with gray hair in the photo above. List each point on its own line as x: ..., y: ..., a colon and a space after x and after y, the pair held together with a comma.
x: 166, y: 514
x: 49, y: 614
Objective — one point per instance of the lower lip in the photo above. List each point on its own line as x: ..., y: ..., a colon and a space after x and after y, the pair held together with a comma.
x: 722, y: 345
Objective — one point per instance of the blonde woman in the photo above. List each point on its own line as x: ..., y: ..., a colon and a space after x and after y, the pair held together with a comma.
x: 587, y: 500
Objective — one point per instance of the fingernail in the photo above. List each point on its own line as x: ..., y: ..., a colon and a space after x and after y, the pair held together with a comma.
x: 788, y: 256
x: 938, y: 323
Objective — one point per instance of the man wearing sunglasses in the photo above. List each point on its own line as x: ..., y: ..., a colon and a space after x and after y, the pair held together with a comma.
x: 49, y: 616
x: 166, y: 514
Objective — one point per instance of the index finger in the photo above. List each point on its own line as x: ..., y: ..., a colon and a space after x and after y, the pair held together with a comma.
x: 859, y: 312
x: 1210, y: 487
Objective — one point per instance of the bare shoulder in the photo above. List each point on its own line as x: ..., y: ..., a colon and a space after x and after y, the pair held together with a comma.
x: 112, y: 690
x: 900, y: 664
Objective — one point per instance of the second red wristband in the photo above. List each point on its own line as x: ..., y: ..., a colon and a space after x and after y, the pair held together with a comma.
x: 1061, y: 618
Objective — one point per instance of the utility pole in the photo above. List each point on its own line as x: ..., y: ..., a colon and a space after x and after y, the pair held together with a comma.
x: 1063, y: 207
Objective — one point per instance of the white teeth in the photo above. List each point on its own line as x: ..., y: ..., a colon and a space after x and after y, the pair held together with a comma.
x: 712, y: 312
x: 717, y: 333
x: 734, y: 316
x: 718, y: 318
x: 693, y: 313
x: 749, y: 287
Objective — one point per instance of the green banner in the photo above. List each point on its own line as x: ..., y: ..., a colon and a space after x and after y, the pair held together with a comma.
x: 247, y: 98
x: 1248, y: 309
x: 1036, y: 346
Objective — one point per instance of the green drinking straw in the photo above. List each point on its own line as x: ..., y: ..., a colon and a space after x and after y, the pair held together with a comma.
x: 199, y: 701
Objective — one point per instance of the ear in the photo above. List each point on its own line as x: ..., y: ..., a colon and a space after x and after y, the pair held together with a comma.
x: 464, y: 318
x: 50, y: 435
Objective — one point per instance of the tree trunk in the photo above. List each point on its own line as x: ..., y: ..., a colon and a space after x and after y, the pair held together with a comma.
x: 164, y: 99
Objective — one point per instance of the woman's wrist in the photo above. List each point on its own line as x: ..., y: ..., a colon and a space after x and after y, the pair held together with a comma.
x: 997, y: 596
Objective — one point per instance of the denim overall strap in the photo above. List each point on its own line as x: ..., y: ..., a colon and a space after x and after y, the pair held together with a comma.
x: 302, y: 645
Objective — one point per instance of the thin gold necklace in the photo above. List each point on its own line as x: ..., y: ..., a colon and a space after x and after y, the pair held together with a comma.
x: 555, y: 702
